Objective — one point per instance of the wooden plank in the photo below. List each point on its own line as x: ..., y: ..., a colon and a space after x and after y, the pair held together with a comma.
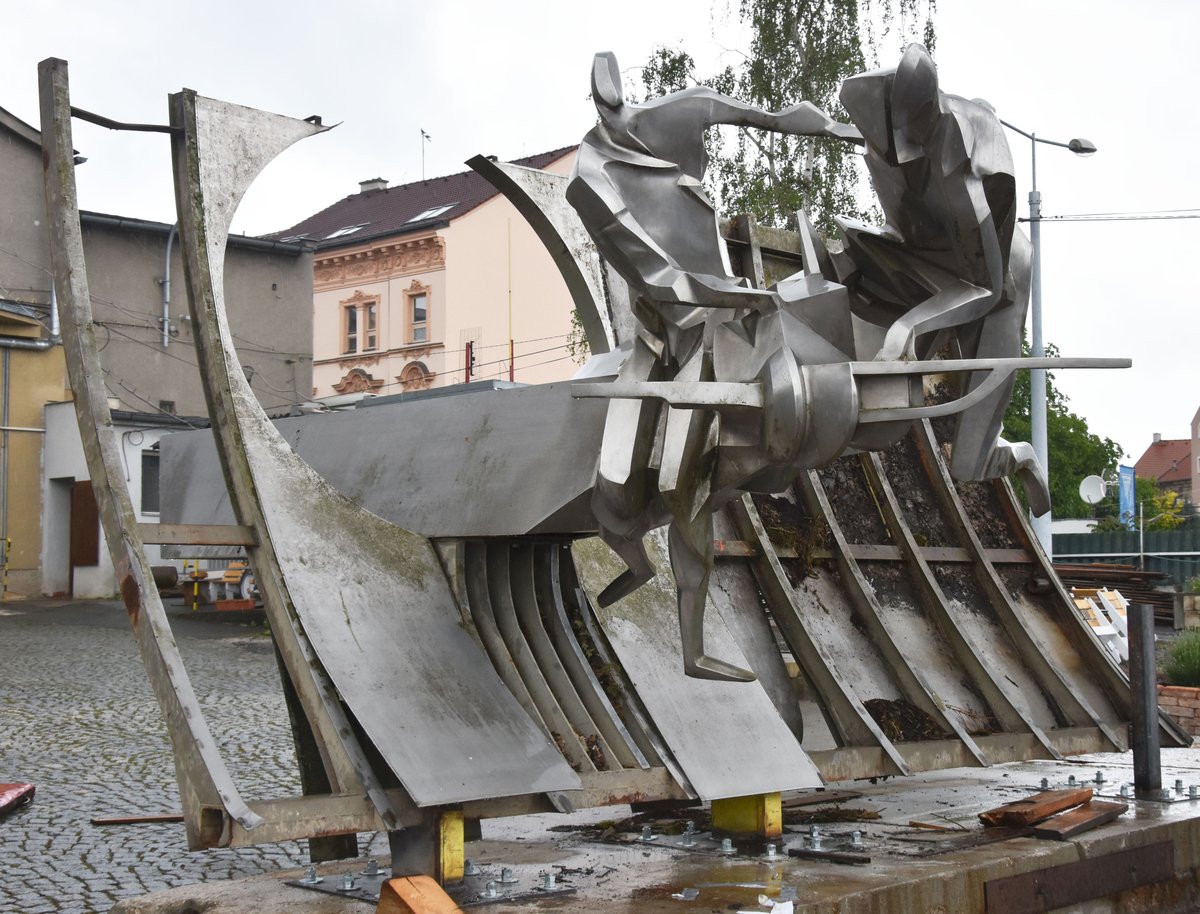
x: 1036, y: 808
x: 1076, y: 821
x: 820, y: 798
x: 197, y: 535
x: 414, y: 895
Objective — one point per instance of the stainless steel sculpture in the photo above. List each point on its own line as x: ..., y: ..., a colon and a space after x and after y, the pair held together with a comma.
x: 730, y: 389
x: 466, y: 593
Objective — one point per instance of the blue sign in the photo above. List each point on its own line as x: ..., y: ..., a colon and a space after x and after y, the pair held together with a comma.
x: 1127, y: 487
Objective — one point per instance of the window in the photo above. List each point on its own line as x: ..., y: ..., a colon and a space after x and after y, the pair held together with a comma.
x: 360, y: 324
x: 149, y: 482
x: 431, y: 212
x: 420, y: 327
x: 343, y: 231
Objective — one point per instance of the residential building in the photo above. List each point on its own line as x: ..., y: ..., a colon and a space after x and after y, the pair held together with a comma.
x: 433, y: 283
x: 1168, y: 463
x: 147, y: 355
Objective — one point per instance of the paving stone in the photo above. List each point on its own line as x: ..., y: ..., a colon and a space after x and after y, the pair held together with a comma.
x: 78, y: 719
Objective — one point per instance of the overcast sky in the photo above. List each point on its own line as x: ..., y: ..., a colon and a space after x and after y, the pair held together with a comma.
x: 511, y: 79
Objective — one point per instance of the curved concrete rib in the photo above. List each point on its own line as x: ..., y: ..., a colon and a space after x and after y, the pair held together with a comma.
x: 203, y: 778
x: 370, y: 597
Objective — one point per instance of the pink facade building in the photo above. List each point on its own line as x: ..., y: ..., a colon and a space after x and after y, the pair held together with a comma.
x: 433, y: 283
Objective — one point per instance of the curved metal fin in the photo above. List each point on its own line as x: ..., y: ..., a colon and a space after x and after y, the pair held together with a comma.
x: 203, y: 777
x: 371, y: 597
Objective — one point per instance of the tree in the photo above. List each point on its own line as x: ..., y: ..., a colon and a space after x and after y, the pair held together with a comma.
x: 1075, y: 452
x: 800, y: 50
x: 1161, y: 510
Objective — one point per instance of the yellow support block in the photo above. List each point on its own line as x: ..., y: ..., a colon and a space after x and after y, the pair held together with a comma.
x: 452, y: 854
x: 760, y: 815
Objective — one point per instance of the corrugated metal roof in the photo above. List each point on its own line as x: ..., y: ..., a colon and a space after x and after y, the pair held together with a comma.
x: 405, y: 208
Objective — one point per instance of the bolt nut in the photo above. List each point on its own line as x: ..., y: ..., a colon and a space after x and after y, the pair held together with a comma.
x: 507, y: 877
x: 469, y: 868
x: 1124, y: 790
x: 311, y: 877
x: 648, y: 833
x: 1045, y: 783
x: 690, y: 828
x: 1071, y: 780
x: 347, y: 882
x: 856, y: 838
x: 1179, y: 785
x: 372, y: 868
x: 772, y: 850
x: 490, y: 889
x: 1099, y: 777
x: 815, y: 842
x: 1194, y: 791
x: 1164, y: 794
x: 727, y: 846
x: 547, y: 879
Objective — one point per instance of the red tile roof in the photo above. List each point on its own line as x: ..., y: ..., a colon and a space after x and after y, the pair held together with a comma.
x: 1169, y: 460
x: 391, y: 211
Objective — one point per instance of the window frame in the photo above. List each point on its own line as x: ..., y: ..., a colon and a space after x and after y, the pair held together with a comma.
x: 360, y: 324
x: 412, y: 326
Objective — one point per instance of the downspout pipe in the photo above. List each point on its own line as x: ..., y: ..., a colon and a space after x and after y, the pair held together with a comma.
x: 166, y: 287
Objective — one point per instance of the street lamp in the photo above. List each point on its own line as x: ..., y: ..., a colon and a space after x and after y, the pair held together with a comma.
x: 1037, y: 376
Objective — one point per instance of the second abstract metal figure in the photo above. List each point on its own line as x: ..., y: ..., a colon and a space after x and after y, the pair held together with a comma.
x: 726, y: 388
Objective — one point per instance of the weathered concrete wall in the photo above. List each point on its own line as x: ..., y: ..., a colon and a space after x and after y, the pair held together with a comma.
x: 267, y: 293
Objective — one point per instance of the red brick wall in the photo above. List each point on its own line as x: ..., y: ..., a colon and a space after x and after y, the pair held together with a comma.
x: 1182, y: 703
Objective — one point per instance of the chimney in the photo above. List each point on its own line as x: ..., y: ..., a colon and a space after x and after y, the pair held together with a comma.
x: 1158, y: 438
x: 372, y: 184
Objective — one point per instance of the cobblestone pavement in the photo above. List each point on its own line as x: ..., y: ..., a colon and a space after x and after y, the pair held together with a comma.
x: 78, y: 719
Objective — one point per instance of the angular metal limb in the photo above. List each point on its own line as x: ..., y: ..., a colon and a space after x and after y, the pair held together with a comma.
x: 204, y: 781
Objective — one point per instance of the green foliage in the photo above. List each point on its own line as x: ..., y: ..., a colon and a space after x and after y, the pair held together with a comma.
x: 1183, y: 663
x: 1160, y: 510
x: 1075, y: 452
x: 1191, y: 585
x: 800, y: 50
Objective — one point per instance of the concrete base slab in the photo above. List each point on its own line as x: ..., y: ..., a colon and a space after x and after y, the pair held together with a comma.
x: 910, y: 870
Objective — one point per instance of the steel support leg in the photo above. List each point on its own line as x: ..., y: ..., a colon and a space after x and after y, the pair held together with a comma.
x: 1143, y: 680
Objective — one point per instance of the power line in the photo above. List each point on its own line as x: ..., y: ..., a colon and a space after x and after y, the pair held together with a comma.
x: 1122, y: 217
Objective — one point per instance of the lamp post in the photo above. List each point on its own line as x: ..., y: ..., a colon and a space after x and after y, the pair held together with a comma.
x: 1037, y: 376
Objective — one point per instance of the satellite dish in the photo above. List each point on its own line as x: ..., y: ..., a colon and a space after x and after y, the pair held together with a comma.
x: 1092, y: 489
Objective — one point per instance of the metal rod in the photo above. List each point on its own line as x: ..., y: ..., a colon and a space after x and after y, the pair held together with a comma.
x: 1143, y: 680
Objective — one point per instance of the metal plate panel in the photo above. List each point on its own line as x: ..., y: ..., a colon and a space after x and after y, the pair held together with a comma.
x: 726, y: 736
x: 388, y: 471
x: 1071, y: 883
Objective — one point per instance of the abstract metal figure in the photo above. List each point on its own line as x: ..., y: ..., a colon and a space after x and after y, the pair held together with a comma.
x: 637, y: 186
x: 720, y: 392
x: 949, y: 257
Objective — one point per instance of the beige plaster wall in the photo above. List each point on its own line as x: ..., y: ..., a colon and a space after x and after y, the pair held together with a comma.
x: 477, y: 267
